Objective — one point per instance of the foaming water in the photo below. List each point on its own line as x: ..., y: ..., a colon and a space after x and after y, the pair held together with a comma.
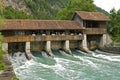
x: 81, y: 66
x: 111, y: 57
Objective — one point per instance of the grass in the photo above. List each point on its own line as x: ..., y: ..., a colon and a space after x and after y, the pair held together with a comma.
x: 2, y: 66
x: 15, y: 78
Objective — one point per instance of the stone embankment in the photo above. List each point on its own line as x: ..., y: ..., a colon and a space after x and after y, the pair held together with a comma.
x: 7, y: 73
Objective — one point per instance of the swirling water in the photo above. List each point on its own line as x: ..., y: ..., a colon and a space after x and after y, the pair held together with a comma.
x: 81, y: 66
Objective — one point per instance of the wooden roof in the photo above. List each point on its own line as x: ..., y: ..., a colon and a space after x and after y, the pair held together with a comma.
x: 40, y: 24
x: 95, y: 16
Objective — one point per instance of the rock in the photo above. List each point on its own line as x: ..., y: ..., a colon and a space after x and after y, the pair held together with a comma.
x: 7, y: 73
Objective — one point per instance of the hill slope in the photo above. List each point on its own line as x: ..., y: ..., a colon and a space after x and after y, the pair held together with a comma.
x: 34, y: 9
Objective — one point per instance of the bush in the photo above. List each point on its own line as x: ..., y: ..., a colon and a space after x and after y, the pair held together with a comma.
x: 93, y: 47
x: 2, y: 66
x: 15, y: 78
x: 1, y: 54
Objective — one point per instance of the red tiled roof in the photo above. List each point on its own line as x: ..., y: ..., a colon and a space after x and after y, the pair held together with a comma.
x: 40, y: 24
x: 96, y: 16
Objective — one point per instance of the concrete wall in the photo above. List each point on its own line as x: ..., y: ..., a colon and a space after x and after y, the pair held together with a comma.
x: 109, y: 39
x: 105, y: 40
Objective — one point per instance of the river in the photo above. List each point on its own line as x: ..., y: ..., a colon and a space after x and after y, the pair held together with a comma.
x: 81, y: 66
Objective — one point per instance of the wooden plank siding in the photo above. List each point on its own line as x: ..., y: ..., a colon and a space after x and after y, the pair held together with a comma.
x: 42, y: 38
x: 59, y: 38
x: 18, y: 39
x: 95, y: 30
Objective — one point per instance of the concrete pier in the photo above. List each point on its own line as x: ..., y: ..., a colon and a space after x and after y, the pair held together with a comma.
x: 67, y: 48
x: 84, y: 42
x: 103, y: 40
x: 5, y: 47
x: 27, y: 50
x: 48, y: 48
x: 27, y: 47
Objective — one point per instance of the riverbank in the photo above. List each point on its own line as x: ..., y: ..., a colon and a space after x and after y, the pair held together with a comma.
x: 114, y: 50
x: 8, y: 72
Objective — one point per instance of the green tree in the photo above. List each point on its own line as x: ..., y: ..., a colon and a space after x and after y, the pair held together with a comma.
x: 103, y: 11
x: 1, y: 12
x: 10, y: 13
x: 1, y: 22
x: 1, y: 37
x: 75, y: 5
x: 114, y: 25
x: 1, y: 52
x: 43, y: 9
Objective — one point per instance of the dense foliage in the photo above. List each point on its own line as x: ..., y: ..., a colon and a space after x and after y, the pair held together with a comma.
x: 76, y: 5
x: 16, y: 78
x: 10, y: 13
x: 114, y: 25
x: 48, y: 9
x: 103, y: 11
x: 2, y: 66
x: 45, y: 9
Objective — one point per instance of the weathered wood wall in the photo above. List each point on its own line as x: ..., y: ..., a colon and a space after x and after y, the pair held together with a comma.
x: 95, y: 31
x: 18, y: 39
x: 74, y: 44
x: 36, y: 46
x: 57, y: 44
x: 42, y: 38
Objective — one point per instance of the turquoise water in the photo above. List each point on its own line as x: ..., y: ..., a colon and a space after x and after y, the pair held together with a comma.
x: 81, y: 66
